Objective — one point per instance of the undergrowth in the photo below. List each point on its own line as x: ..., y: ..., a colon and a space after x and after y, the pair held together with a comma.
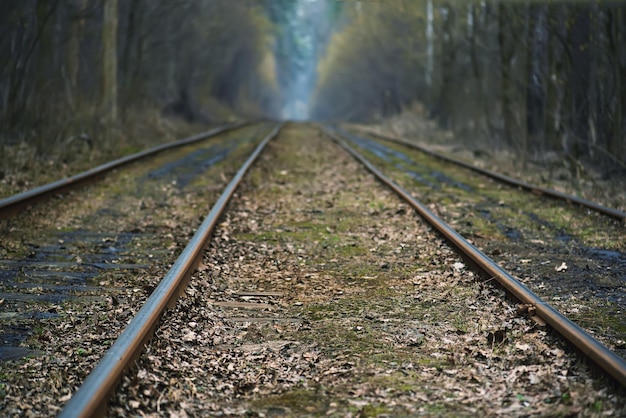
x: 70, y: 144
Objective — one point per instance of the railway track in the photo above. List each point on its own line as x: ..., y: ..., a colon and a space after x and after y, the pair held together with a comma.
x: 574, y: 258
x: 92, y: 243
x: 319, y: 262
x: 605, y: 358
x: 12, y: 205
x: 614, y: 213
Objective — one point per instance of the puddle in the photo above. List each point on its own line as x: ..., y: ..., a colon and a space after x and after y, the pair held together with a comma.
x: 8, y: 352
x: 607, y: 255
x: 508, y: 231
x: 419, y: 178
x: 9, y: 343
x: 450, y: 181
x: 559, y: 233
x: 27, y: 315
x: 511, y: 233
x: 184, y: 170
x: 408, y: 165
x: 63, y: 267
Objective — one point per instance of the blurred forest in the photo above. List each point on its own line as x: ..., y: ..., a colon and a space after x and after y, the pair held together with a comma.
x: 70, y: 66
x: 534, y: 77
x: 539, y: 78
x: 302, y: 31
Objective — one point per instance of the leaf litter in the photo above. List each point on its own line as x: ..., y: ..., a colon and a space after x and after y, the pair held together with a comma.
x: 369, y: 313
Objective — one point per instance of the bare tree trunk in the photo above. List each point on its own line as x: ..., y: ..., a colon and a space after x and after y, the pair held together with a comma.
x: 43, y: 58
x: 474, y: 33
x: 619, y: 65
x: 445, y: 102
x: 506, y: 89
x: 519, y: 71
x: 23, y: 49
x: 72, y: 58
x: 578, y: 35
x: 596, y: 57
x: 536, y: 80
x: 109, y: 61
x: 550, y: 126
x: 559, y: 81
x: 172, y: 80
x: 429, y: 44
x: 131, y: 39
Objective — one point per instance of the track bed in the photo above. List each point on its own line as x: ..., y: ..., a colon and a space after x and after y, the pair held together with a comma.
x: 322, y: 293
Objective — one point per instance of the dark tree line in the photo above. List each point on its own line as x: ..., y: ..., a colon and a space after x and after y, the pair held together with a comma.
x: 66, y: 60
x: 531, y: 76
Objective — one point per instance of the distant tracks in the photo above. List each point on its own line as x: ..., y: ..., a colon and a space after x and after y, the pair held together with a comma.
x: 12, y: 205
x: 614, y: 213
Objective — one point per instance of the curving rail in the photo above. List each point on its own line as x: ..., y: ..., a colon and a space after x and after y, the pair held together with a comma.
x: 13, y: 204
x: 614, y: 213
x: 607, y: 360
x: 91, y: 397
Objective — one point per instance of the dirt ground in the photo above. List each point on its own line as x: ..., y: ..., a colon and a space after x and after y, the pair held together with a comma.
x: 321, y: 294
x: 572, y: 257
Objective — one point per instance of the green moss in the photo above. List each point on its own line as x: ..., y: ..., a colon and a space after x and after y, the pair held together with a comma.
x: 460, y: 323
x: 317, y: 312
x: 299, y: 401
x: 397, y: 381
x: 604, y: 317
x: 130, y: 149
x: 372, y: 410
x: 596, y: 406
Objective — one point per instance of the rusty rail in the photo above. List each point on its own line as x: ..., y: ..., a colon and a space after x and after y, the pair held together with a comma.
x: 607, y: 360
x: 614, y: 213
x: 92, y: 396
x: 13, y: 204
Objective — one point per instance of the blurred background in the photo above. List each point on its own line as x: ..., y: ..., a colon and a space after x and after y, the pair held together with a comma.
x: 543, y: 79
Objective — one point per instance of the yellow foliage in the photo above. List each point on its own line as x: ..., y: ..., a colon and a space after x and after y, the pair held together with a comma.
x: 396, y: 24
x: 267, y: 70
x: 379, y: 39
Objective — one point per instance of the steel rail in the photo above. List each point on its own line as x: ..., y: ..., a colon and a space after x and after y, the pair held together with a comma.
x: 90, y: 399
x: 607, y: 360
x: 614, y: 213
x: 13, y: 204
